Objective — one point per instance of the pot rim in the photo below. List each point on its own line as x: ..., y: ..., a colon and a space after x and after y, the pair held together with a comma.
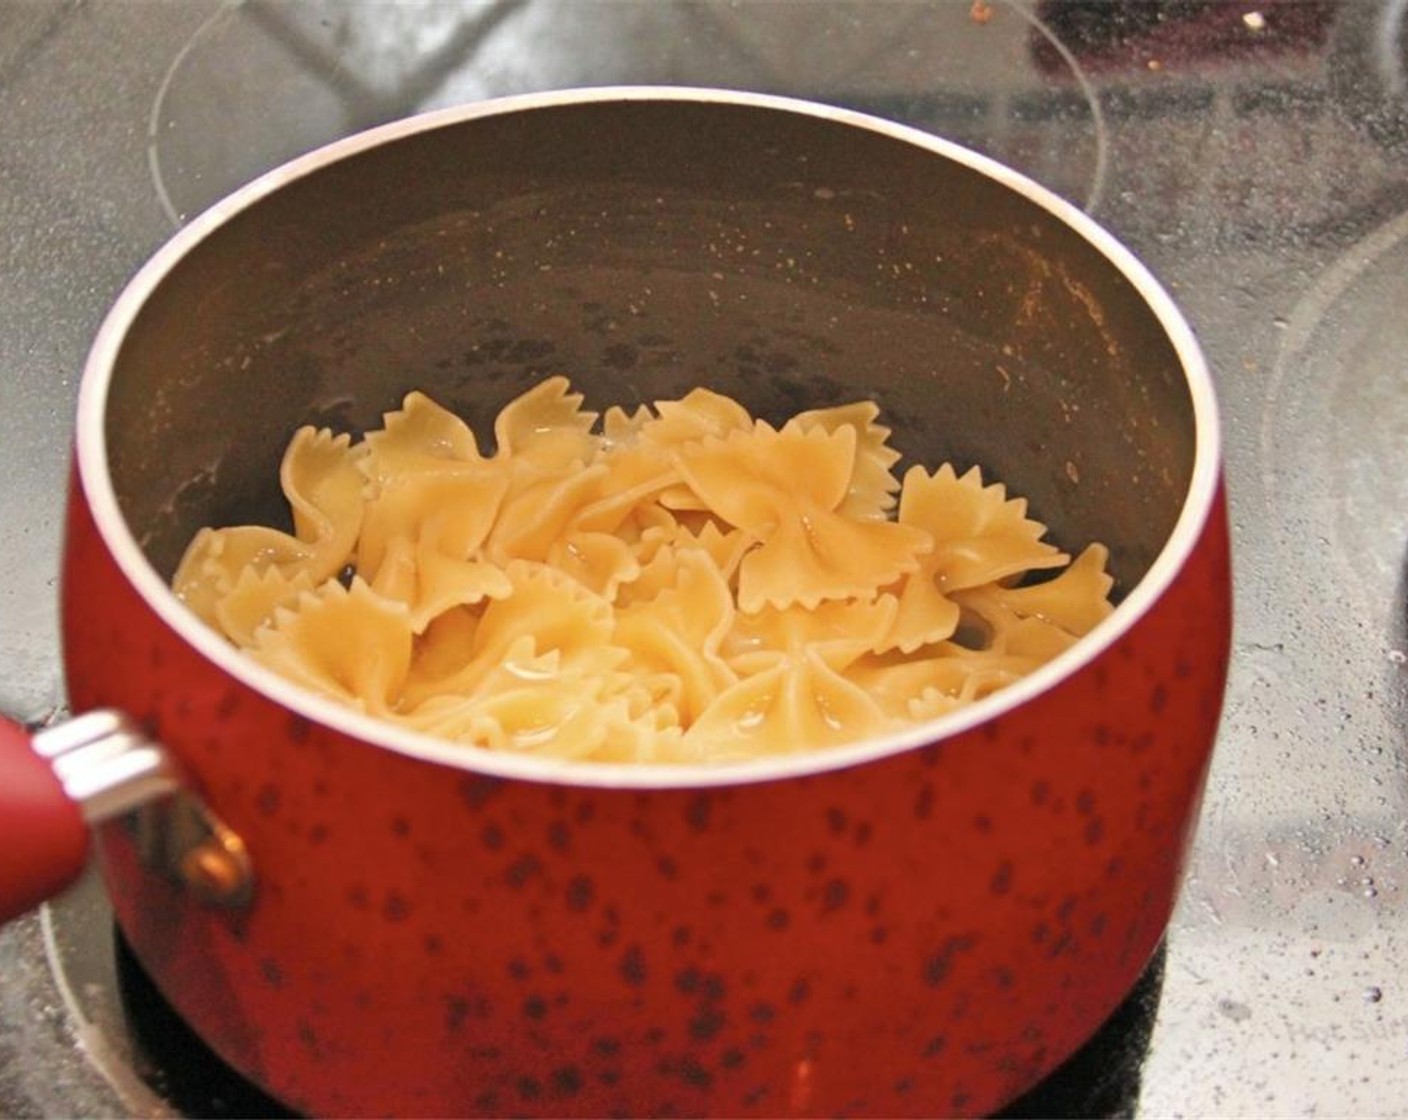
x: 96, y: 480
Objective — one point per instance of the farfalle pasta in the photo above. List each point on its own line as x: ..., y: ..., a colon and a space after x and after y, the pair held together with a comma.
x: 679, y: 583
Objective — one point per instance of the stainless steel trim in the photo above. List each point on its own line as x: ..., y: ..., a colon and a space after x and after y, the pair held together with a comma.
x: 112, y: 769
x: 107, y: 765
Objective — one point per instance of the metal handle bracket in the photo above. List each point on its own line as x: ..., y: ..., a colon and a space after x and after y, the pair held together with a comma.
x: 111, y: 769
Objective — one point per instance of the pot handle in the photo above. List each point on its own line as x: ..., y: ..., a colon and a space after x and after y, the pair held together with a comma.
x: 57, y: 783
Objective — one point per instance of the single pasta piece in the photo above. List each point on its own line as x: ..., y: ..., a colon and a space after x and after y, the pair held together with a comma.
x: 873, y: 486
x: 680, y: 582
x: 784, y: 488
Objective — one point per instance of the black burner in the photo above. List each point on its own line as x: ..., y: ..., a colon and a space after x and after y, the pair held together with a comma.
x: 170, y: 1057
x: 304, y: 74
x: 1101, y: 1079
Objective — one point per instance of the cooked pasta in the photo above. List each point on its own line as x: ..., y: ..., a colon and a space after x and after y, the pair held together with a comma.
x: 681, y: 583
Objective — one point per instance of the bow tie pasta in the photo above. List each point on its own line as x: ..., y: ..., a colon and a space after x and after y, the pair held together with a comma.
x: 681, y: 583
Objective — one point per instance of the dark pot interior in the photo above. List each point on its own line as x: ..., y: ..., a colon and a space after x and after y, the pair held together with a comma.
x: 643, y: 248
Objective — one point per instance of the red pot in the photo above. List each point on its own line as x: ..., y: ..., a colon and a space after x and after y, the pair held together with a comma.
x: 922, y: 925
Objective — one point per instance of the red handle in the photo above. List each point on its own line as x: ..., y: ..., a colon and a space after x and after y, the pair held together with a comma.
x: 43, y: 839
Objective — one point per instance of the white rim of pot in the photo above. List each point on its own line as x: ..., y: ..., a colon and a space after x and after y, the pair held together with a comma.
x: 96, y: 479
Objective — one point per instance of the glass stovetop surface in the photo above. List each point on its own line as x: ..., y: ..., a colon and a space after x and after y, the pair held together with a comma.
x: 1254, y: 155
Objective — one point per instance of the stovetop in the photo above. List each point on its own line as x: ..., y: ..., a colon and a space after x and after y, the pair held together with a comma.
x: 1254, y: 155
